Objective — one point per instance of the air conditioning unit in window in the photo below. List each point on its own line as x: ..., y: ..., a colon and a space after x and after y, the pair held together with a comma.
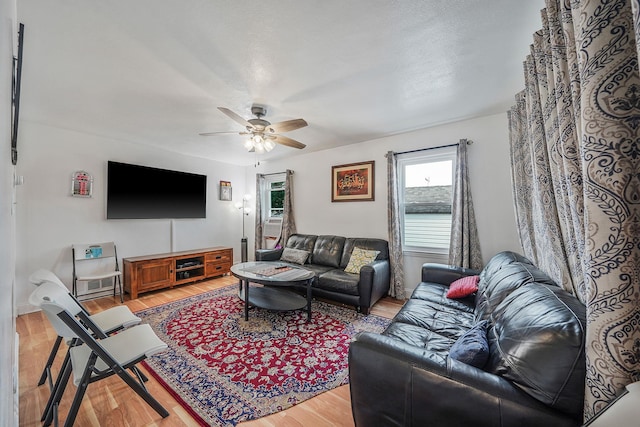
x: 271, y: 231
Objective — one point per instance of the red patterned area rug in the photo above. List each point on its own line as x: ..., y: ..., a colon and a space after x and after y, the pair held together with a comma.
x: 225, y: 370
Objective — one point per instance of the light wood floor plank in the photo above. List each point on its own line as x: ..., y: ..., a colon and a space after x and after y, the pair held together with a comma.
x: 111, y: 402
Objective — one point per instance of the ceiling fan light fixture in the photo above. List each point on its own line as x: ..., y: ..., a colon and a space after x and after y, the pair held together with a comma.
x: 269, y: 145
x: 262, y: 135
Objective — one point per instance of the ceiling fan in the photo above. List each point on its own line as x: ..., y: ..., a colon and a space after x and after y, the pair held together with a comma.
x: 263, y: 135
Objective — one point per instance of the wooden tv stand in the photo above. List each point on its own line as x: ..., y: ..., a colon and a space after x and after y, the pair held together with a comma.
x: 153, y: 272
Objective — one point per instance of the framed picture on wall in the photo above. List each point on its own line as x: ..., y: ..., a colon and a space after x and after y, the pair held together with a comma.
x: 353, y: 182
x: 81, y: 184
x: 225, y: 190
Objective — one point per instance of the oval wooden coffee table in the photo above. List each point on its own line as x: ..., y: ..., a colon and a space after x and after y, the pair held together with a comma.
x: 277, y: 279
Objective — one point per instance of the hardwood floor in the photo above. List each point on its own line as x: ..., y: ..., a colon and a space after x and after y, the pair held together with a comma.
x: 111, y: 402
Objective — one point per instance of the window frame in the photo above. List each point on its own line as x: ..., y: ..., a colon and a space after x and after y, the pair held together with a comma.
x: 414, y: 158
x: 268, y: 181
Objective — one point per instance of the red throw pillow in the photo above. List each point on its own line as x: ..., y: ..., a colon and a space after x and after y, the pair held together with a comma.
x: 463, y: 287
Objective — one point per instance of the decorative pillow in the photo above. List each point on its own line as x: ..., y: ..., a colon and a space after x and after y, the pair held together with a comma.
x: 295, y: 256
x: 359, y: 258
x: 472, y: 348
x: 463, y: 287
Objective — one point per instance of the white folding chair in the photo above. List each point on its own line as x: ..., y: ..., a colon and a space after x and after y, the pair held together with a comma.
x: 108, y: 321
x: 94, y: 262
x: 92, y: 357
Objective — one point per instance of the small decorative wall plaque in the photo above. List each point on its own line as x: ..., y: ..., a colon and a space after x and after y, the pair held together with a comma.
x: 81, y: 184
x: 225, y: 190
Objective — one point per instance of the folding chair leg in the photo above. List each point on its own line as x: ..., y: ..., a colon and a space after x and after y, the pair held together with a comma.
x: 117, y: 279
x: 50, y: 410
x: 47, y: 368
x: 142, y: 378
x: 142, y: 392
x: 80, y: 392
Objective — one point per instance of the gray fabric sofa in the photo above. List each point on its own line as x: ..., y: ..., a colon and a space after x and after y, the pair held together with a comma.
x: 328, y: 257
x: 532, y: 374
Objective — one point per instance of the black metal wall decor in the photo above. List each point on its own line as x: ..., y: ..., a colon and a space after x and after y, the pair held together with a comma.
x: 15, y: 96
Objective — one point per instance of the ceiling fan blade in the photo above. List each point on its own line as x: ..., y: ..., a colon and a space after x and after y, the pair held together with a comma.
x: 286, y: 141
x: 286, y: 126
x: 216, y: 133
x: 235, y: 117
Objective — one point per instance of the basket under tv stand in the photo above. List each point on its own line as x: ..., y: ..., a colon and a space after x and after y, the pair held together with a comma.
x: 160, y: 271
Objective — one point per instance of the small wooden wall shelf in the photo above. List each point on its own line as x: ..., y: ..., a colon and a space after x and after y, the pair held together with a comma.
x: 160, y: 271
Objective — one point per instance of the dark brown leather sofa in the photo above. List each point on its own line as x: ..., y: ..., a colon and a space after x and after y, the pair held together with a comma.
x: 328, y: 257
x: 534, y: 375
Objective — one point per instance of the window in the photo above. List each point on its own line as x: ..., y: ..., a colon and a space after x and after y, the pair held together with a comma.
x: 425, y: 192
x: 274, y: 195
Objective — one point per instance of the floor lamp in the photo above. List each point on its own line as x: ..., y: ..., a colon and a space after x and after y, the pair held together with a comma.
x: 245, y: 212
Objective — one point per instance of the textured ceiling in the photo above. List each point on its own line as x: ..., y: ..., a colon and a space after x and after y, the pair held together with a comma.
x: 154, y: 71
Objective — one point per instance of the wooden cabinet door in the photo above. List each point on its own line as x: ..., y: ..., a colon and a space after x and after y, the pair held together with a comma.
x: 154, y: 274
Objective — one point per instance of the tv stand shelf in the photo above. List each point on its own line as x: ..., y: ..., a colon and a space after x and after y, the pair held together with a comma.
x: 160, y: 271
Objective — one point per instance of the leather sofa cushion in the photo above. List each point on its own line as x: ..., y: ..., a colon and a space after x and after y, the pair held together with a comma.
x: 318, y: 269
x: 447, y: 322
x: 369, y: 244
x: 503, y: 282
x: 434, y: 346
x: 437, y: 295
x: 303, y: 242
x: 498, y: 261
x: 328, y: 250
x: 338, y: 281
x: 537, y: 341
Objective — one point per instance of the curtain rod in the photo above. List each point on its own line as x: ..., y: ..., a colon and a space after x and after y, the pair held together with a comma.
x: 273, y: 173
x: 469, y: 142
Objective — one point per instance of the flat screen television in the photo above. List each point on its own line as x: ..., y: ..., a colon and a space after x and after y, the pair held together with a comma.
x: 136, y: 192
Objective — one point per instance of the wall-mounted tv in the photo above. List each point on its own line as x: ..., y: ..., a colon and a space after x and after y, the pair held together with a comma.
x: 135, y: 191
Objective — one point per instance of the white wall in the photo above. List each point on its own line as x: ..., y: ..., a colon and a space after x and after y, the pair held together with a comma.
x: 50, y: 220
x: 8, y: 362
x: 488, y: 169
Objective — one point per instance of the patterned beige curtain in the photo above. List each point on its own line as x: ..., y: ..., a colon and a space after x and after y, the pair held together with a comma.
x: 288, y: 221
x: 464, y: 247
x: 396, y: 288
x: 635, y: 6
x: 260, y: 215
x: 575, y: 150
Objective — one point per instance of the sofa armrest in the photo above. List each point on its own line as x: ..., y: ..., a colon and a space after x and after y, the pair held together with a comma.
x: 445, y: 274
x: 374, y: 282
x: 268, y: 254
x: 393, y: 383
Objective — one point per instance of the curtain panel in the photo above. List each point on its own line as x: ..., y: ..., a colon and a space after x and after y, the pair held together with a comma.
x: 394, y: 227
x: 575, y: 152
x: 260, y: 214
x: 464, y: 246
x: 288, y: 220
